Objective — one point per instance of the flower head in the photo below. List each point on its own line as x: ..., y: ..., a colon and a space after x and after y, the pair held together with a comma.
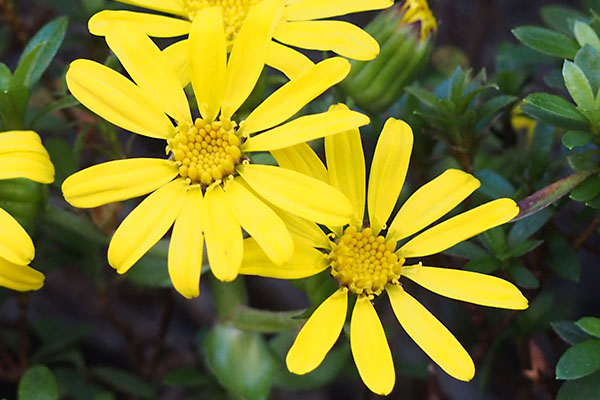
x: 22, y: 155
x: 301, y: 24
x: 419, y: 11
x: 207, y: 187
x: 369, y: 258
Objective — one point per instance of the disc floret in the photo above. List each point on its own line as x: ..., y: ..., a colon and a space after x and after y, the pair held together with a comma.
x: 206, y: 152
x: 363, y: 262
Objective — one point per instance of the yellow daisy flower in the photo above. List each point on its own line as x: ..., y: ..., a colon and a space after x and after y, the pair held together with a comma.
x: 302, y: 23
x: 207, y: 187
x: 366, y: 260
x: 419, y: 11
x: 22, y: 155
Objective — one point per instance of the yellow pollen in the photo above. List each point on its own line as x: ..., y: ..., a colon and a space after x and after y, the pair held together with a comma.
x: 234, y: 13
x: 363, y: 262
x: 419, y: 11
x: 206, y: 152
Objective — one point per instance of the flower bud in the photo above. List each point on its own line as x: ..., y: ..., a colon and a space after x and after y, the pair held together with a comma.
x: 24, y: 200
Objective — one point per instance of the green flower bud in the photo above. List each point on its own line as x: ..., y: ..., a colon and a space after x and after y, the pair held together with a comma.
x: 24, y: 200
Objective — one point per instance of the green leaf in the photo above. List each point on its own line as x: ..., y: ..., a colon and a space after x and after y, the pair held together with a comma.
x: 558, y: 17
x: 569, y: 332
x: 12, y: 107
x: 496, y: 238
x: 185, y: 377
x: 587, y: 189
x: 38, y: 383
x: 40, y: 51
x: 590, y: 325
x: 524, y: 248
x: 523, y: 277
x: 124, y: 381
x: 555, y: 110
x: 586, y: 388
x: 5, y: 76
x: 572, y: 139
x: 547, y: 41
x: 65, y: 102
x: 585, y: 35
x: 588, y: 59
x: 491, y: 107
x: 580, y: 360
x: 578, y: 85
x: 467, y: 250
x: 241, y: 361
x: 494, y: 185
x: 63, y: 158
x: 425, y: 97
x: 526, y: 227
x: 484, y: 265
x: 584, y: 161
x: 563, y: 258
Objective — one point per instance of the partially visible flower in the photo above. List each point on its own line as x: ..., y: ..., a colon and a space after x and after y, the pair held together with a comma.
x: 302, y: 24
x: 366, y: 260
x: 522, y: 122
x: 22, y: 155
x: 418, y: 11
x: 207, y: 187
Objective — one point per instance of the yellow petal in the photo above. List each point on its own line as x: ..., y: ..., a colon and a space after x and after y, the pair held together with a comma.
x: 22, y: 155
x: 186, y: 246
x: 388, y: 171
x: 341, y: 37
x: 305, y: 261
x: 223, y: 235
x: 249, y: 53
x: 117, y: 180
x: 304, y: 232
x: 306, y: 128
x: 370, y: 348
x: 301, y: 158
x: 261, y: 222
x: 319, y: 334
x: 150, y: 24
x: 346, y: 166
x: 19, y: 277
x: 167, y: 6
x: 208, y: 57
x: 15, y: 244
x: 116, y: 99
x: 287, y: 60
x: 431, y: 202
x: 468, y: 286
x: 145, y: 225
x: 459, y: 228
x: 430, y: 335
x: 298, y: 194
x: 178, y: 57
x: 149, y: 68
x: 294, y: 95
x: 319, y: 9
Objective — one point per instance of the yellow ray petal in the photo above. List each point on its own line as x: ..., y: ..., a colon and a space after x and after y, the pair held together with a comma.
x: 319, y: 9
x: 208, y: 57
x: 294, y: 95
x: 370, y: 348
x: 305, y: 261
x: 430, y: 335
x: 306, y: 128
x: 15, y: 244
x: 341, y: 37
x: 150, y: 24
x: 301, y: 158
x: 116, y: 99
x: 431, y: 202
x: 319, y: 334
x: 249, y: 53
x: 261, y: 222
x: 22, y: 155
x: 117, y: 180
x: 468, y: 286
x: 346, y: 166
x: 298, y: 194
x: 167, y: 6
x: 304, y: 232
x: 459, y: 228
x: 145, y: 225
x: 186, y: 246
x: 289, y: 61
x: 388, y: 171
x: 148, y: 67
x: 223, y: 235
x: 19, y: 277
x: 178, y: 56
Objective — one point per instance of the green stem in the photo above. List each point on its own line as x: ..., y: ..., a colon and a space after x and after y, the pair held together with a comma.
x: 252, y: 319
x: 228, y: 296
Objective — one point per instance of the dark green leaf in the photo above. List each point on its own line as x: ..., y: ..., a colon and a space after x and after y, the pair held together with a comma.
x: 573, y: 139
x: 467, y: 250
x: 590, y: 325
x: 584, y: 161
x: 554, y: 110
x: 525, y: 228
x: 523, y: 277
x: 547, y: 41
x: 580, y: 360
x: 63, y: 158
x: 563, y: 258
x: 523, y: 248
x: 484, y: 265
x: 241, y: 361
x: 586, y: 388
x: 491, y: 107
x: 5, y: 76
x: 38, y: 383
x: 496, y: 238
x: 427, y: 98
x: 569, y: 332
x: 12, y: 107
x: 494, y: 185
x: 588, y: 60
x: 185, y: 377
x: 65, y: 102
x: 587, y: 189
x: 558, y: 17
x: 124, y: 381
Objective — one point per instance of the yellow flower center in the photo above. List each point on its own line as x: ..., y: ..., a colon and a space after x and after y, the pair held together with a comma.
x: 419, y: 11
x: 234, y: 13
x: 206, y: 152
x: 363, y: 262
